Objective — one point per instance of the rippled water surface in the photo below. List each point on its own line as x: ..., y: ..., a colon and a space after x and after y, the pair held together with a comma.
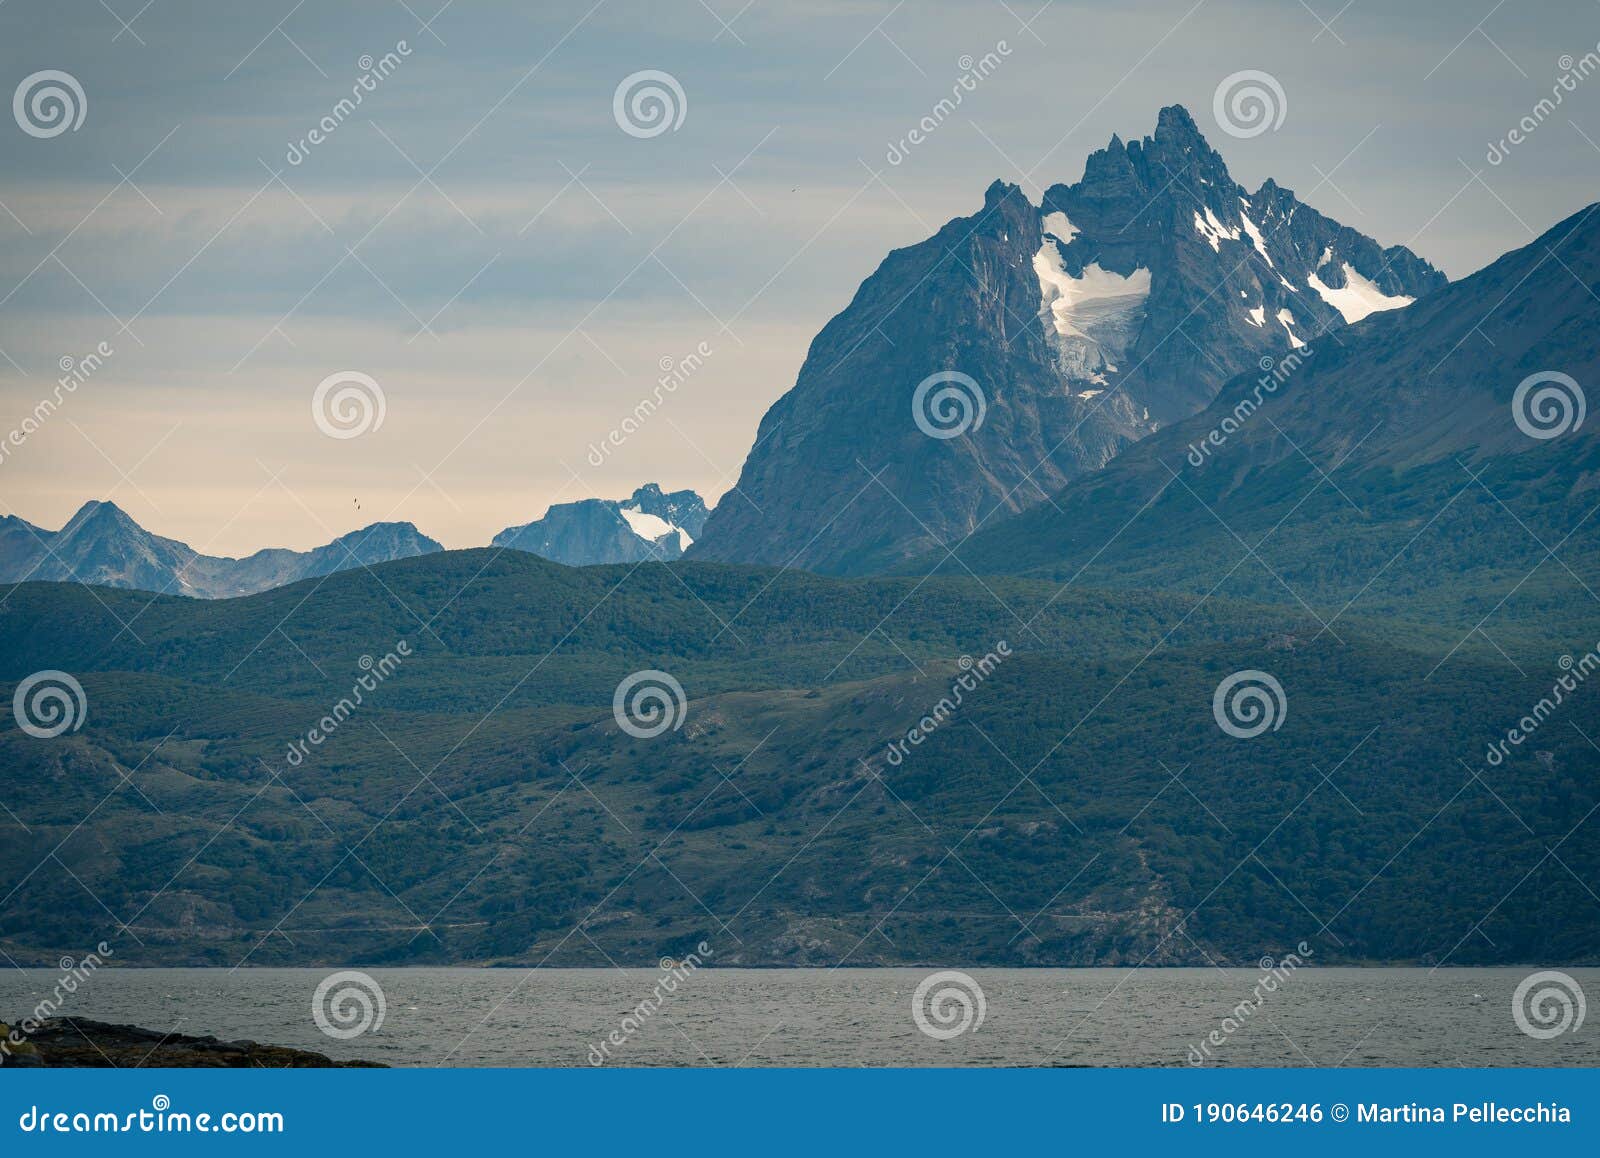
x: 849, y: 1017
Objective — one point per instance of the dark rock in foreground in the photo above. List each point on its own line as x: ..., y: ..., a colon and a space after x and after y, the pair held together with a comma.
x: 76, y: 1042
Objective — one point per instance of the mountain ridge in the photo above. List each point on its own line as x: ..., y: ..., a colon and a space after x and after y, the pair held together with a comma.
x: 1428, y: 413
x: 102, y: 545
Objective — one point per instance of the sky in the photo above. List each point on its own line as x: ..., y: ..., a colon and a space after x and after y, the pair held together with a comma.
x: 508, y: 257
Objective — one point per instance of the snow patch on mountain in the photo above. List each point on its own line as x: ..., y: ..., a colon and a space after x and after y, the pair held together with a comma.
x: 1213, y: 230
x: 1287, y: 319
x: 1358, y: 297
x: 1095, y: 315
x: 1255, y: 236
x: 652, y: 527
x: 1057, y: 226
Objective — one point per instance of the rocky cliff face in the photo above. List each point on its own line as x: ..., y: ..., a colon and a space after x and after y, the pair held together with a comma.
x: 977, y: 372
x: 651, y: 524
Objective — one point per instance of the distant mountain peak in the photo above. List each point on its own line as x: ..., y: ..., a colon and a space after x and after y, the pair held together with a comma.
x: 102, y: 545
x: 102, y: 511
x: 649, y: 524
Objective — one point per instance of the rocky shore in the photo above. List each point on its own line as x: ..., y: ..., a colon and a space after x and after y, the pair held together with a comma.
x: 76, y: 1042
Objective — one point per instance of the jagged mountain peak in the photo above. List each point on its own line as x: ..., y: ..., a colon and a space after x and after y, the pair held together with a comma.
x: 1000, y: 192
x: 1176, y: 119
x: 1118, y: 304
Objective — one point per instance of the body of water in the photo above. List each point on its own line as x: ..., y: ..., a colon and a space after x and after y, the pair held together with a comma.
x: 848, y: 1017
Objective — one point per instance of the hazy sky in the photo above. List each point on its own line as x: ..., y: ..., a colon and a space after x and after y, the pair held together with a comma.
x: 483, y: 239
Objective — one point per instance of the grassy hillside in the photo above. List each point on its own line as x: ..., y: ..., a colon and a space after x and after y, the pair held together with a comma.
x: 1081, y: 805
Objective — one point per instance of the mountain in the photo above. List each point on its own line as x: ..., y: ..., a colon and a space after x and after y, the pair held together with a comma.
x: 1432, y: 457
x: 649, y: 525
x: 1074, y: 328
x: 101, y: 545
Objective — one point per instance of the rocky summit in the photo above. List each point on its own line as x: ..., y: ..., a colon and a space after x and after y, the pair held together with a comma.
x: 978, y: 372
